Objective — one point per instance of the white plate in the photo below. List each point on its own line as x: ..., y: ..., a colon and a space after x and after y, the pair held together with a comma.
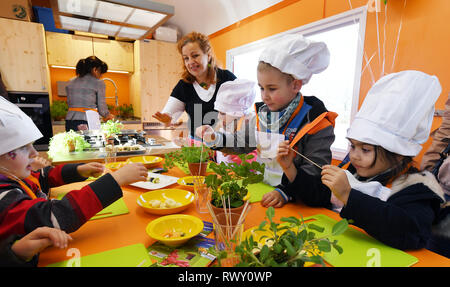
x: 164, y: 180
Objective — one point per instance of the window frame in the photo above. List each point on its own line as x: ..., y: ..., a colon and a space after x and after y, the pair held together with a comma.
x: 349, y: 17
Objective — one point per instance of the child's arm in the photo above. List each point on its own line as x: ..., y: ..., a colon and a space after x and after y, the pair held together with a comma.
x: 21, y: 252
x: 22, y: 214
x: 307, y: 185
x: 242, y: 141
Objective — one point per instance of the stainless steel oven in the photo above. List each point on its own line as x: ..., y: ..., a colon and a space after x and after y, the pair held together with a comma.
x: 37, y: 107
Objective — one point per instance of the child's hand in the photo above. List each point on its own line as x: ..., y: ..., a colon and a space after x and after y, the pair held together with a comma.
x: 94, y: 169
x: 336, y: 180
x: 38, y: 239
x: 39, y: 162
x: 272, y: 198
x: 206, y: 133
x: 285, y: 156
x: 130, y: 173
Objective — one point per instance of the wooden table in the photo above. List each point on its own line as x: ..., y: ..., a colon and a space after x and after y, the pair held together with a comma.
x: 114, y: 232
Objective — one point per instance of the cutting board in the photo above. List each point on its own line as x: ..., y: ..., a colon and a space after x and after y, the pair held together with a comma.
x: 116, y: 208
x: 129, y: 256
x: 257, y: 190
x: 360, y: 250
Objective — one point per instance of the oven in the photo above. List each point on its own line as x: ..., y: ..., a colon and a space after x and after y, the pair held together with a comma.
x: 37, y: 107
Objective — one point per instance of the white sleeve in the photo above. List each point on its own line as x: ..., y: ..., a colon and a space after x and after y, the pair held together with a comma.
x: 174, y: 107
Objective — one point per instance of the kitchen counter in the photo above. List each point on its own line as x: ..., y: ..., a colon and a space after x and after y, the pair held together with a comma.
x: 98, y: 156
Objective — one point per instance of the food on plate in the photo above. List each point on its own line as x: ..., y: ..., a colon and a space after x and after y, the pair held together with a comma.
x: 167, y: 203
x: 173, y: 234
x: 154, y: 180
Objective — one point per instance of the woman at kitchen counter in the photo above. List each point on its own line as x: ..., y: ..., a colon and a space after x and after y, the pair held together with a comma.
x: 196, y: 92
x: 86, y: 92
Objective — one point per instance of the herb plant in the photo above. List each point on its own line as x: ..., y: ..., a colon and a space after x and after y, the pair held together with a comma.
x: 290, y: 244
x: 188, y: 154
x: 58, y: 110
x: 230, y: 180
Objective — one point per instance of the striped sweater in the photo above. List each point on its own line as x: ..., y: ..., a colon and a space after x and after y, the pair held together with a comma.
x: 19, y: 214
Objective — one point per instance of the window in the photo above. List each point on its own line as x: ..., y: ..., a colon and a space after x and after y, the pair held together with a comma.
x: 338, y: 85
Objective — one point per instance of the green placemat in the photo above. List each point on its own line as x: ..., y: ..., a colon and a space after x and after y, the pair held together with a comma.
x: 116, y: 208
x: 360, y: 249
x: 257, y: 191
x: 129, y: 256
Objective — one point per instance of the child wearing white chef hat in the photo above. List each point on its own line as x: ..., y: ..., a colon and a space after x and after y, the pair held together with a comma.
x: 234, y: 102
x: 289, y: 118
x: 381, y: 191
x: 23, y: 193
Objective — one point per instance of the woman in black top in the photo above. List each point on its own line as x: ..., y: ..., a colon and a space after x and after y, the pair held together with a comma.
x: 196, y: 92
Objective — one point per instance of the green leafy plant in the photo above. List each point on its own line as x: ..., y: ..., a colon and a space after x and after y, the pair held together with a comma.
x: 125, y: 111
x: 289, y: 244
x: 230, y: 180
x: 111, y: 128
x: 65, y: 142
x: 188, y: 154
x: 58, y: 110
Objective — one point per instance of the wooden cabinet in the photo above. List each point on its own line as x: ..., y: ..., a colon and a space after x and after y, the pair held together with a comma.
x: 23, y: 61
x: 118, y: 55
x: 67, y: 50
x: 158, y: 68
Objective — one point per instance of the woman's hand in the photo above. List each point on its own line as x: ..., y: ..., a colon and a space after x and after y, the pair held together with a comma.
x: 94, y: 169
x: 38, y: 239
x: 272, y: 198
x: 164, y: 118
x: 206, y: 133
x: 109, y: 117
x: 336, y: 180
x: 130, y: 173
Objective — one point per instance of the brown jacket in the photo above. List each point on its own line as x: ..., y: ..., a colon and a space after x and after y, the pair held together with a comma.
x: 440, y: 141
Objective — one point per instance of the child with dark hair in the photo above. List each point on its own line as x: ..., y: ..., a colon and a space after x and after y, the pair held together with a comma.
x: 381, y: 191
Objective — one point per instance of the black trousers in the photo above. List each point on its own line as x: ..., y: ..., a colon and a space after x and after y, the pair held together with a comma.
x: 73, y: 124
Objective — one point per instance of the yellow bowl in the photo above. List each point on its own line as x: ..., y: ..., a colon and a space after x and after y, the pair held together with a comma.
x: 188, y: 182
x: 148, y: 160
x: 187, y: 224
x: 115, y: 165
x: 186, y: 198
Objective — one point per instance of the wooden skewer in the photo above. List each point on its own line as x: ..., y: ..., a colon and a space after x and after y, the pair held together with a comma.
x: 306, y: 158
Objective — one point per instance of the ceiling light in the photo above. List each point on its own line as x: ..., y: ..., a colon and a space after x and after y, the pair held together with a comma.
x: 133, y: 19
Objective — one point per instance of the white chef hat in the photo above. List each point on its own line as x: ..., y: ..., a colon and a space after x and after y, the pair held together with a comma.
x: 297, y: 56
x: 397, y: 112
x: 236, y: 97
x: 16, y: 128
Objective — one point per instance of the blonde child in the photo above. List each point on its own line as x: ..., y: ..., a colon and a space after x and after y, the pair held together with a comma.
x: 234, y: 103
x: 301, y: 121
x: 381, y: 191
x: 24, y: 205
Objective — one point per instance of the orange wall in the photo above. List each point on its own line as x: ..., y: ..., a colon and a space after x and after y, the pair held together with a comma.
x: 122, y: 82
x: 424, y: 39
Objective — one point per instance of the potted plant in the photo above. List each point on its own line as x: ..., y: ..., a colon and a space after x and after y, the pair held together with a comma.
x: 66, y: 142
x: 196, y: 157
x: 229, y: 183
x: 58, y: 110
x: 288, y: 244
